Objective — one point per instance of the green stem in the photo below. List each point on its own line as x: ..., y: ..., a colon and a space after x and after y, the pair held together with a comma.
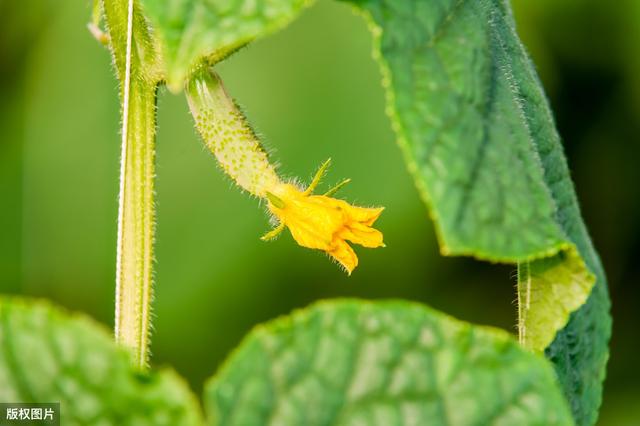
x: 136, y: 222
x: 137, y: 69
x: 524, y: 300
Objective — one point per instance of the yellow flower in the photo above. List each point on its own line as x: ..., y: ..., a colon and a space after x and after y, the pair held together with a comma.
x: 315, y: 221
x: 324, y: 223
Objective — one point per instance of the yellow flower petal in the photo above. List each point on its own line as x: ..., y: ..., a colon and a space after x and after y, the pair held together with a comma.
x: 344, y: 254
x: 324, y: 223
x: 366, y: 216
x: 361, y: 234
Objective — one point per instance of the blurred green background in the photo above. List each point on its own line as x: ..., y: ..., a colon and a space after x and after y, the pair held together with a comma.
x: 313, y: 92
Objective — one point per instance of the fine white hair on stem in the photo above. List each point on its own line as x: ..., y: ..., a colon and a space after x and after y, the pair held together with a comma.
x: 123, y: 158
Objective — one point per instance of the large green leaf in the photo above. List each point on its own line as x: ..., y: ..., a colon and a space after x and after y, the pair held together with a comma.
x: 385, y: 363
x: 481, y: 142
x: 473, y: 124
x: 49, y: 356
x: 192, y: 30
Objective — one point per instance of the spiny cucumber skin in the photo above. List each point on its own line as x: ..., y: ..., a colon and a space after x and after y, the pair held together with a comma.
x: 229, y: 137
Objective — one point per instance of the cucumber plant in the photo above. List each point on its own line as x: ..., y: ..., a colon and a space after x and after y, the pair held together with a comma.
x: 479, y: 138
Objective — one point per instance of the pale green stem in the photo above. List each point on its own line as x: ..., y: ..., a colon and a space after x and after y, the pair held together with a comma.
x: 137, y: 68
x: 524, y: 300
x: 136, y: 223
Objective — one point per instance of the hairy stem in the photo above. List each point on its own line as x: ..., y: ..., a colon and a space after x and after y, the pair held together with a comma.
x: 136, y: 223
x: 137, y: 69
x: 524, y: 300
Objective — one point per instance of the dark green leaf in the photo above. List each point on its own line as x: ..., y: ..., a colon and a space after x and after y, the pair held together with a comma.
x: 386, y: 363
x: 49, y: 356
x: 481, y: 142
x: 190, y: 31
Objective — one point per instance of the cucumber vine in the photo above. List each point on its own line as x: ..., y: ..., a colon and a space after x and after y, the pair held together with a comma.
x: 479, y: 138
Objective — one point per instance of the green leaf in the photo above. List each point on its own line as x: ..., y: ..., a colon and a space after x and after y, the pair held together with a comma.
x: 459, y: 96
x: 384, y: 363
x: 47, y: 355
x: 190, y: 31
x: 480, y: 140
x: 580, y: 353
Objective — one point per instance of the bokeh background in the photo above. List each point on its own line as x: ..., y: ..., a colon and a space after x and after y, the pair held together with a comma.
x: 313, y: 92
